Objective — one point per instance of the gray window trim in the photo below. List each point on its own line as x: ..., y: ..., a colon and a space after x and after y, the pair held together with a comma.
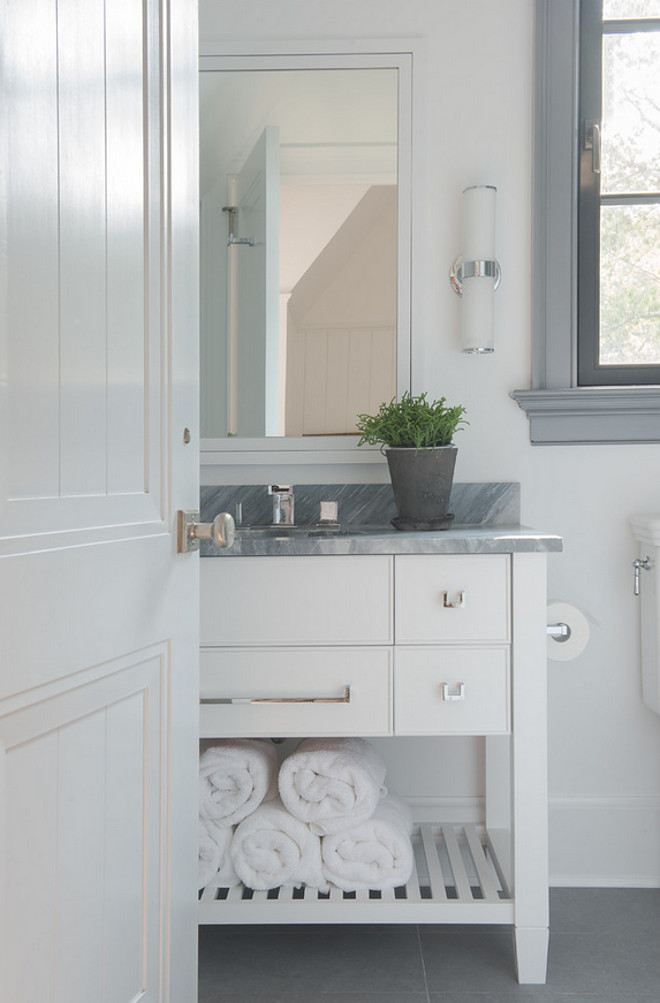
x: 558, y: 409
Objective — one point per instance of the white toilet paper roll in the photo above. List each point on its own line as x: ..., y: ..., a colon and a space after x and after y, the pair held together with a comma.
x: 565, y: 650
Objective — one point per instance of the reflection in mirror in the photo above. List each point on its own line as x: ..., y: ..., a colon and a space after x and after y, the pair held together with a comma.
x: 298, y: 182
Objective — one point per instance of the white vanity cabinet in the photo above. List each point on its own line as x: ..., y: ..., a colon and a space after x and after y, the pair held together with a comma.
x: 452, y: 654
x: 296, y: 646
x: 391, y: 644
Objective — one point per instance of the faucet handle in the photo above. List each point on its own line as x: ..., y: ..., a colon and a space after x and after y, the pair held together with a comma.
x: 279, y: 489
x: 329, y: 512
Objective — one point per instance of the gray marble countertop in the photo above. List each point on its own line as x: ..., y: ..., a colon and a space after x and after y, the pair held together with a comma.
x: 466, y: 539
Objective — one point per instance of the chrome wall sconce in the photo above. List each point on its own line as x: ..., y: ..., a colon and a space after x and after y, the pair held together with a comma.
x: 476, y: 274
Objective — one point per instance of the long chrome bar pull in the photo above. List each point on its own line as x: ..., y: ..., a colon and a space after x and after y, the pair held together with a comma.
x: 190, y: 531
x: 346, y: 698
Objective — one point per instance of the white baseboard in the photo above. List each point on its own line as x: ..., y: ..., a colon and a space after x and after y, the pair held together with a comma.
x: 447, y: 809
x: 595, y: 842
x: 608, y: 842
x: 622, y: 881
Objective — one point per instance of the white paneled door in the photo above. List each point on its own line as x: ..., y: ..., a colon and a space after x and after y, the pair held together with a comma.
x: 98, y: 614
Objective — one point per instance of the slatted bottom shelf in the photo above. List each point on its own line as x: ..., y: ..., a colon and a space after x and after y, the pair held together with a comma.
x: 456, y: 879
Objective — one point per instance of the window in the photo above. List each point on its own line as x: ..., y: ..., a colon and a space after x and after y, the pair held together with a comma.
x: 596, y: 323
x: 619, y: 193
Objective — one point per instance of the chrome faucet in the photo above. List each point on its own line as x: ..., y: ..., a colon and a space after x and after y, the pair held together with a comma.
x: 282, y: 504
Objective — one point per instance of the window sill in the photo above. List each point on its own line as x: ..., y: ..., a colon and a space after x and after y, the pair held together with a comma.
x: 580, y: 415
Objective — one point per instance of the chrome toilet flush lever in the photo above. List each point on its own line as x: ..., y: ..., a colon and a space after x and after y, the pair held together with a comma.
x: 641, y: 564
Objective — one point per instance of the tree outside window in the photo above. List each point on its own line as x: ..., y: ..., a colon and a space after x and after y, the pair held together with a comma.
x: 619, y: 193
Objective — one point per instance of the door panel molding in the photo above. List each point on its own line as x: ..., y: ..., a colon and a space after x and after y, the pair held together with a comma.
x: 87, y: 383
x: 85, y: 758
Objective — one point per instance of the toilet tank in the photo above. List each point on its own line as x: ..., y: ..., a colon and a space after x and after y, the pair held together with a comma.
x: 646, y: 530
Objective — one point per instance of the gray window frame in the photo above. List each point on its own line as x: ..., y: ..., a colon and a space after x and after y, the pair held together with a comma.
x: 560, y: 411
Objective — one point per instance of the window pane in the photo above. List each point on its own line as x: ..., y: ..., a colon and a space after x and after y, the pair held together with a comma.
x: 630, y: 285
x: 613, y: 9
x: 631, y: 113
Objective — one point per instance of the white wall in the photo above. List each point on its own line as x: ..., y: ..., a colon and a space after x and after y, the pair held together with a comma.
x: 604, y: 744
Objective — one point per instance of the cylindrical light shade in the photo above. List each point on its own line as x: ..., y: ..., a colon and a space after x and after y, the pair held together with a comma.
x: 477, y: 308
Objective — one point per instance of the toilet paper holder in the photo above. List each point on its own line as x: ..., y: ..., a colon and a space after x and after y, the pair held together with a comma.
x: 559, y: 631
x: 567, y: 630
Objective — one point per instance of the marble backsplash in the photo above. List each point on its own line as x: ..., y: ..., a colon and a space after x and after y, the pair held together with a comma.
x: 473, y: 504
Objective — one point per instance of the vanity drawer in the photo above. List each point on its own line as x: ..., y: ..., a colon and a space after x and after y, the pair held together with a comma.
x: 296, y: 600
x: 295, y: 691
x: 451, y: 598
x: 451, y: 691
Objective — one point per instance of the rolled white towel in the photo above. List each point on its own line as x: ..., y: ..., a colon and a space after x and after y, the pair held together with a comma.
x: 271, y: 848
x: 332, y: 783
x: 377, y: 853
x: 235, y: 776
x: 214, y: 861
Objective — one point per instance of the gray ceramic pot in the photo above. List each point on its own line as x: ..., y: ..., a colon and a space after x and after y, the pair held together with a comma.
x: 422, y: 480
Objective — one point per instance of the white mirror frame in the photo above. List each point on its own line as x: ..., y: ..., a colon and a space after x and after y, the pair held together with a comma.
x: 392, y: 53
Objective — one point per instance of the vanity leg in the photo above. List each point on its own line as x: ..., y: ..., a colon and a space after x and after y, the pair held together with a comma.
x: 531, y: 945
x: 529, y: 767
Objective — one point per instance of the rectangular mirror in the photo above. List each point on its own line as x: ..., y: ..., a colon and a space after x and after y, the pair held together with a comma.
x: 305, y: 246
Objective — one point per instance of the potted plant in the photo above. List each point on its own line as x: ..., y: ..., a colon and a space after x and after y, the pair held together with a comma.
x: 416, y: 436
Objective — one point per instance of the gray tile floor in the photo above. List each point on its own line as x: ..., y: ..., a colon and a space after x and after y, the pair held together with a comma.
x: 604, y: 946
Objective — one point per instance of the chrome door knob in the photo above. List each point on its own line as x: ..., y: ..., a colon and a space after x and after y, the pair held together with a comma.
x: 221, y: 531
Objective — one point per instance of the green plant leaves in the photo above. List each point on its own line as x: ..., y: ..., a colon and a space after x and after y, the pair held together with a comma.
x: 411, y: 422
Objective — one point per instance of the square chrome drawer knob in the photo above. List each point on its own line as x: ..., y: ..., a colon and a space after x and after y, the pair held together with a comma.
x: 458, y: 695
x: 458, y: 603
